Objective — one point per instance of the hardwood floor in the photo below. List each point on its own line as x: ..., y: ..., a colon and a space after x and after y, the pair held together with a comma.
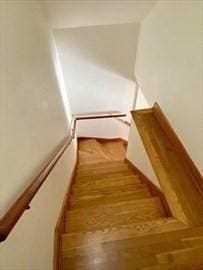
x: 113, y: 222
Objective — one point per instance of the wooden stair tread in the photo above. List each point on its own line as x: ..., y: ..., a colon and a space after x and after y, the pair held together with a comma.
x: 182, y: 256
x: 193, y: 241
x: 96, y: 218
x: 118, y: 206
x: 117, y: 191
x: 101, y: 170
x: 103, y: 164
x: 124, y: 252
x: 108, y: 189
x: 173, y: 267
x: 113, y: 263
x: 113, y: 198
x: 114, y: 149
x: 97, y: 184
x: 73, y: 240
x: 103, y: 175
x: 177, y: 183
x: 129, y: 257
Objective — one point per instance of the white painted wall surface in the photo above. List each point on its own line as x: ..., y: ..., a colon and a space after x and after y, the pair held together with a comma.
x: 33, y: 119
x: 169, y: 68
x: 102, y: 128
x: 63, y: 14
x: 30, y: 244
x: 33, y: 123
x: 98, y: 66
x: 137, y: 154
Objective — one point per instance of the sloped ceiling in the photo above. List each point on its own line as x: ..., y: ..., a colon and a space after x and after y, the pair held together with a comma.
x: 65, y: 13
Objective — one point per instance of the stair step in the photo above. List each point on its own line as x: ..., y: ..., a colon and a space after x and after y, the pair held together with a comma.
x: 155, y: 243
x: 100, y: 263
x: 193, y: 242
x: 119, y: 190
x: 184, y: 256
x: 173, y: 266
x: 99, y: 184
x: 103, y: 175
x: 103, y: 164
x: 109, y: 255
x: 73, y: 240
x: 107, y: 190
x: 114, y: 215
x: 112, y: 198
x: 101, y: 171
x: 115, y: 149
x: 132, y: 246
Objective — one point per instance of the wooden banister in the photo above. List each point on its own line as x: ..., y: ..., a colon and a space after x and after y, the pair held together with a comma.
x: 11, y: 217
x: 8, y: 221
x: 99, y: 116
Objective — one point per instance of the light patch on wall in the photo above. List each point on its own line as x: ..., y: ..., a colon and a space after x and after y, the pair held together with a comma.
x: 61, y: 82
x: 141, y: 102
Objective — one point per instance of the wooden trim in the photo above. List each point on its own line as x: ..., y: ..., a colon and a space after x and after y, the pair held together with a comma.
x: 8, y: 221
x: 154, y: 190
x: 60, y: 225
x: 86, y: 117
x: 178, y: 145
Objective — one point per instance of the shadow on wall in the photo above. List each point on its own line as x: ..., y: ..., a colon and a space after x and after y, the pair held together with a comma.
x: 111, y: 47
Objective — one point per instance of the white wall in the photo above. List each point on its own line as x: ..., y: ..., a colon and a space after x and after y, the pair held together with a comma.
x: 102, y: 128
x: 33, y: 123
x: 33, y: 119
x: 98, y: 66
x: 63, y: 14
x: 30, y: 244
x: 137, y: 154
x: 169, y: 68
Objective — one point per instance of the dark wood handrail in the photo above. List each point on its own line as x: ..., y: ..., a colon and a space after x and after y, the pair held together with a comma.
x: 8, y: 221
x: 98, y: 116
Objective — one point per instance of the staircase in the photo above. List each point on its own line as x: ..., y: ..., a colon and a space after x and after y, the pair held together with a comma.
x: 114, y: 222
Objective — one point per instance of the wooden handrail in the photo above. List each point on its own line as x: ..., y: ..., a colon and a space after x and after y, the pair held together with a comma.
x: 11, y: 217
x: 8, y: 221
x: 98, y: 116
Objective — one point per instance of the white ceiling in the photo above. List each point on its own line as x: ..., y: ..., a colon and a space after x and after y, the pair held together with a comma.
x: 66, y: 13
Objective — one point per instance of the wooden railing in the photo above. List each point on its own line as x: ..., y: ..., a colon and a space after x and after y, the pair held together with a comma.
x: 8, y: 221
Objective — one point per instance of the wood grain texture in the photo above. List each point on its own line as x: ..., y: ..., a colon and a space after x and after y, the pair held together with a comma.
x: 116, y: 221
x: 192, y: 256
x: 193, y: 242
x: 105, y: 183
x: 97, y: 218
x: 178, y: 146
x: 155, y: 191
x: 176, y: 182
x: 112, y: 198
x: 73, y: 240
